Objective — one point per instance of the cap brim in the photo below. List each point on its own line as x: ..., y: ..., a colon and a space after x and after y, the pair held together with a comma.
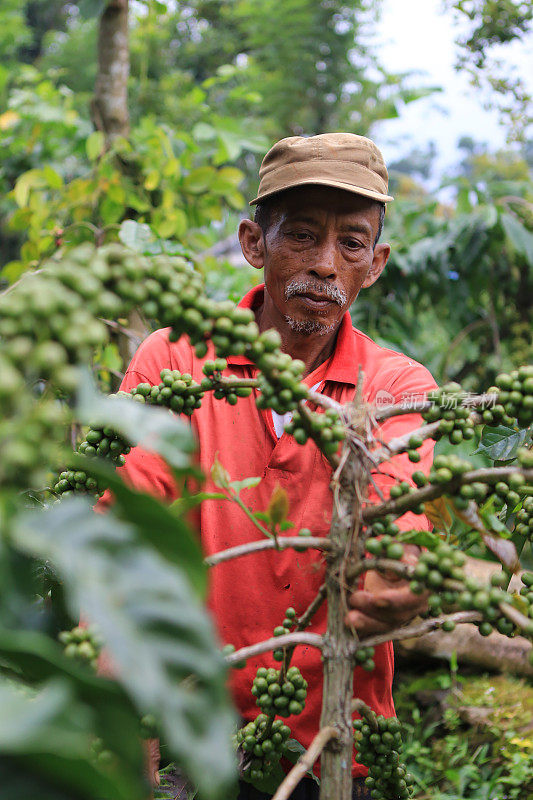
x: 347, y: 187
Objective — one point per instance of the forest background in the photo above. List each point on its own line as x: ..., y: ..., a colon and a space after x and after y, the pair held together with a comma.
x: 211, y: 85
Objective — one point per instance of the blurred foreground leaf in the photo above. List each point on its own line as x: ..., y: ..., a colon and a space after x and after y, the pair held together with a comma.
x: 159, y: 637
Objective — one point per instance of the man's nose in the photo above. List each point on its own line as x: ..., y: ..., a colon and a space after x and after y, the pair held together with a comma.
x: 324, y: 265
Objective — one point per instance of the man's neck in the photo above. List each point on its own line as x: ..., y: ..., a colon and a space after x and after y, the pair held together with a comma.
x: 313, y: 349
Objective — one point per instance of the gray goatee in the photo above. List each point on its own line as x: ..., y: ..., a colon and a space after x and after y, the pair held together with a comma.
x: 307, y: 326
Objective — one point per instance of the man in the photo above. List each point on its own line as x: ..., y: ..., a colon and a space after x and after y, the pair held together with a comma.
x: 319, y: 214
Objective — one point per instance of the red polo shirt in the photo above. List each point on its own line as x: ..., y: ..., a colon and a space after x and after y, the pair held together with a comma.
x: 248, y: 596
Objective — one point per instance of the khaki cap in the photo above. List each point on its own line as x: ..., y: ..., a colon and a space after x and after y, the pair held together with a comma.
x: 341, y: 160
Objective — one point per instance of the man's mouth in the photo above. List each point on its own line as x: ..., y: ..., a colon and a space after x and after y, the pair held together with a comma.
x: 315, y: 300
x: 313, y: 296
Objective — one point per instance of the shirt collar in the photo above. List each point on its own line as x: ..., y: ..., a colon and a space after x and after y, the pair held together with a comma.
x: 343, y: 362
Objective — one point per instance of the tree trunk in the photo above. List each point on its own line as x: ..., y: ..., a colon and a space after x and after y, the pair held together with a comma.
x: 110, y: 102
x: 336, y: 762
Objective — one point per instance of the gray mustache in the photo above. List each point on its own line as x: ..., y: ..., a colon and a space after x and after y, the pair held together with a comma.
x: 300, y: 287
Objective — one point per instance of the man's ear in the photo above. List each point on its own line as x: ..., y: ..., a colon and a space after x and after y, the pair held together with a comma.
x: 381, y: 256
x: 252, y: 242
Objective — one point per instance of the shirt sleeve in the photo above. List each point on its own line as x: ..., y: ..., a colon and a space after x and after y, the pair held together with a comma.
x: 144, y: 470
x: 413, y: 383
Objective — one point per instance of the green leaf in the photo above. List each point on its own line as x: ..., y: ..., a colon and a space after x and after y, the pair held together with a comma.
x: 152, y: 180
x: 153, y: 522
x: 157, y: 634
x: 102, y: 703
x: 47, y: 736
x: 53, y: 178
x: 247, y: 483
x: 286, y: 525
x: 199, y: 180
x: 27, y: 181
x: 519, y: 237
x: 184, y: 504
x: 502, y: 443
x: 202, y: 132
x: 420, y: 538
x: 135, y: 235
x: 94, y: 146
x: 219, y: 474
x: 293, y: 750
x: 270, y: 783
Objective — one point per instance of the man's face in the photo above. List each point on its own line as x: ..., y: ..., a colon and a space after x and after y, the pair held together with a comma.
x: 317, y: 254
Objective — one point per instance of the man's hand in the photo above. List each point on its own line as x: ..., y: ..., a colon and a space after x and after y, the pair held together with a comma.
x: 385, y: 602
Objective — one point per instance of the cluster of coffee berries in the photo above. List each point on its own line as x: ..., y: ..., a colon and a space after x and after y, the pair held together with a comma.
x: 279, y: 379
x: 415, y: 442
x: 385, y: 546
x: 434, y: 570
x: 99, y: 754
x: 446, y: 468
x: 525, y: 457
x: 46, y: 328
x: 441, y: 572
x: 526, y: 590
x: 264, y: 740
x: 104, y: 442
x: 455, y: 419
x: 82, y: 644
x: 98, y: 442
x: 233, y: 329
x: 378, y: 747
x: 487, y: 601
x: 177, y: 391
x: 280, y: 697
x: 364, y: 656
x: 285, y: 627
x: 509, y: 492
x: 48, y: 322
x: 514, y: 393
x: 325, y: 429
x: 524, y: 519
x: 399, y: 489
x: 30, y: 440
x: 444, y: 471
x: 109, y: 280
x: 78, y: 480
x: 385, y: 526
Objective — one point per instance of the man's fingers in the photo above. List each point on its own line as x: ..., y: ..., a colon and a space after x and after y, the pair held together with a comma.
x: 389, y: 601
x: 365, y: 625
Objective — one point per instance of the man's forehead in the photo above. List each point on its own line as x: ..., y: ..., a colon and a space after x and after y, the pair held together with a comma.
x: 316, y: 203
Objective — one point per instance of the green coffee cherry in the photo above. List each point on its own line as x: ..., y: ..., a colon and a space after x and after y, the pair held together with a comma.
x: 82, y: 644
x: 379, y: 745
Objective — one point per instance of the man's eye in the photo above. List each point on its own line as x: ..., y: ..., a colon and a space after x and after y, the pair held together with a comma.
x: 301, y: 236
x: 352, y: 244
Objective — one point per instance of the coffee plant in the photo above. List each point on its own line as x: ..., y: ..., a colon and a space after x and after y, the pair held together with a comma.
x: 136, y: 574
